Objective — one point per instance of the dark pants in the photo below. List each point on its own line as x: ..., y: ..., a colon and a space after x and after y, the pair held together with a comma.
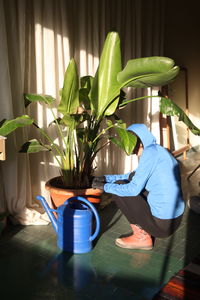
x: 137, y: 211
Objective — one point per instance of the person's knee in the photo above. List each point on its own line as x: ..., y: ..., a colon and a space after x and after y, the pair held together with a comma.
x: 116, y: 198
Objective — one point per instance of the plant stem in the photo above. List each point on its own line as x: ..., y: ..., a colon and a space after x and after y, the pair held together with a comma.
x: 58, y: 126
x: 102, y: 132
x: 135, y: 99
x: 70, y: 158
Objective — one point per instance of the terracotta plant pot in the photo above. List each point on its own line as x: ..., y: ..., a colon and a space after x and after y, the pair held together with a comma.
x: 59, y: 195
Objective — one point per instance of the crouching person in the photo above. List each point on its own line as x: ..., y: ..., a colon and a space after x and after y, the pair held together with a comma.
x: 151, y: 197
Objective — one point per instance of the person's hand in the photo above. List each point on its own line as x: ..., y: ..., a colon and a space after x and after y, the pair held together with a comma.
x: 98, y: 185
x: 98, y: 182
x: 98, y: 179
x: 131, y: 175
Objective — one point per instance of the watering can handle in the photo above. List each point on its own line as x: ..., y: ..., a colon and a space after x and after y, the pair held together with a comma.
x: 94, y: 211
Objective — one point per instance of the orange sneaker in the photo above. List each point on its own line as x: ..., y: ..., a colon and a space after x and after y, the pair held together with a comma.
x: 140, y: 239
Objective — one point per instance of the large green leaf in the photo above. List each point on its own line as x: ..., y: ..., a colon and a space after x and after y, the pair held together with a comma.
x: 86, y: 82
x: 38, y: 98
x: 84, y: 92
x: 147, y: 72
x: 72, y: 120
x: 10, y: 125
x: 169, y: 108
x: 105, y: 87
x: 34, y: 146
x: 126, y: 140
x: 69, y: 98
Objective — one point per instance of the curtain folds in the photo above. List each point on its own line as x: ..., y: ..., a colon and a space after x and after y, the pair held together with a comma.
x: 39, y: 37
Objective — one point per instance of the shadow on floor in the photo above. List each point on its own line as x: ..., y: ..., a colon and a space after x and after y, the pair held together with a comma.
x: 29, y: 272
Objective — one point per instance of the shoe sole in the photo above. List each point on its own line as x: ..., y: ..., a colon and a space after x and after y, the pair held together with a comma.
x: 132, y: 247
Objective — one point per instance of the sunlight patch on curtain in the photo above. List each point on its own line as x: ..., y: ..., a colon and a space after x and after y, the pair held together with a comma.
x: 89, y: 63
x: 131, y: 163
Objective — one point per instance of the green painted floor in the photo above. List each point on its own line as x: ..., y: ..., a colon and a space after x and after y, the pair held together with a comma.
x: 32, y: 267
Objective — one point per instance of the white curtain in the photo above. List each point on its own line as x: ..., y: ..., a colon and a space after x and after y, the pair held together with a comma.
x: 38, y: 38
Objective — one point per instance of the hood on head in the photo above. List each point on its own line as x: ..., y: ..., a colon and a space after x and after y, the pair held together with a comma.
x: 143, y: 133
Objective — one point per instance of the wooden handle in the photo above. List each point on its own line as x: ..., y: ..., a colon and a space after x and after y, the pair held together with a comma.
x: 2, y: 148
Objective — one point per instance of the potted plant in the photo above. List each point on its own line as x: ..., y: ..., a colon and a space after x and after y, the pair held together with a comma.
x: 87, y: 110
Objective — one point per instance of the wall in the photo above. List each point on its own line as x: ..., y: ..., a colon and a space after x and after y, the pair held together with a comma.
x: 182, y: 43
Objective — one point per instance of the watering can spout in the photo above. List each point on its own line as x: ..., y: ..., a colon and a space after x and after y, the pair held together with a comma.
x: 49, y: 212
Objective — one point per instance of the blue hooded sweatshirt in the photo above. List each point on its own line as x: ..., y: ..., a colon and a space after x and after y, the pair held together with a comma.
x: 157, y: 172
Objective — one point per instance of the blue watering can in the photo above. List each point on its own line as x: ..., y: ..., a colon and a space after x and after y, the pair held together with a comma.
x: 74, y: 224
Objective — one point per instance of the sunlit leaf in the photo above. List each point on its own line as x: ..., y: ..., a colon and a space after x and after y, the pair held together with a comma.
x: 125, y: 140
x: 10, y: 125
x: 28, y: 98
x: 169, y: 108
x: 34, y: 146
x: 148, y: 72
x: 105, y: 88
x: 69, y: 99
